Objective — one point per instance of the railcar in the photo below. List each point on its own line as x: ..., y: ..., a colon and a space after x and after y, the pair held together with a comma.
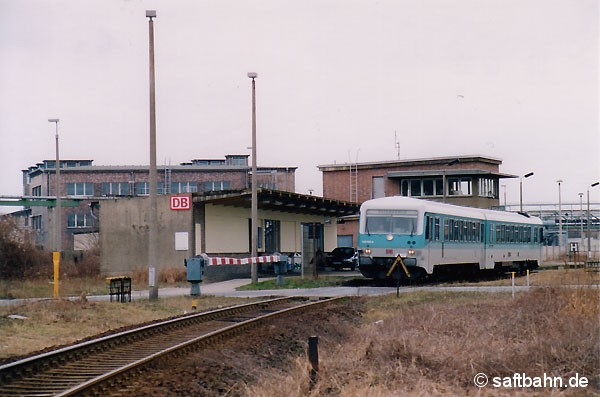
x: 431, y: 236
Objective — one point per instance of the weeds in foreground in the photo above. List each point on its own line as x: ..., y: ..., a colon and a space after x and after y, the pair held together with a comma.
x: 436, y: 347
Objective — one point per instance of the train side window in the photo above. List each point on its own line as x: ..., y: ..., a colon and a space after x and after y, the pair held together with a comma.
x: 446, y: 230
x: 456, y: 230
x: 427, y: 228
x: 437, y: 229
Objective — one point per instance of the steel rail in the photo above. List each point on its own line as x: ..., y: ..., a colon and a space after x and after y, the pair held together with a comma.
x: 95, y: 384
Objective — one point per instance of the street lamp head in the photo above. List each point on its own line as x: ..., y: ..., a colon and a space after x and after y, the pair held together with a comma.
x: 595, y: 184
x: 252, y: 75
x: 528, y: 175
x: 53, y: 120
x: 150, y: 14
x: 559, y: 181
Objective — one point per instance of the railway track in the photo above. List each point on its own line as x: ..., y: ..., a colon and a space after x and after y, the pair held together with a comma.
x: 106, y: 365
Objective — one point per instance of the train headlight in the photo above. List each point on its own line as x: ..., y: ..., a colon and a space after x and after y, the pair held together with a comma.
x: 411, y: 251
x: 368, y: 251
x: 389, y: 237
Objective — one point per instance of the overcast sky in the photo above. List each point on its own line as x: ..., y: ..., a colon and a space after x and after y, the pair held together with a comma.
x: 337, y: 80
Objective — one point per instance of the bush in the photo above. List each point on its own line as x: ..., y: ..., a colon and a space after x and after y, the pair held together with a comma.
x: 19, y: 257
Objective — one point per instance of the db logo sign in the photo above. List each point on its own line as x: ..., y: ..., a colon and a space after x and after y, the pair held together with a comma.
x: 181, y: 202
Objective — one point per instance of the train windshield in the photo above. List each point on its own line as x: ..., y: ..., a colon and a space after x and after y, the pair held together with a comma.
x: 391, y: 222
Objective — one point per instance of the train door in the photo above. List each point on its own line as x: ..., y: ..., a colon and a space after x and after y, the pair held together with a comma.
x: 483, y: 245
x: 489, y: 239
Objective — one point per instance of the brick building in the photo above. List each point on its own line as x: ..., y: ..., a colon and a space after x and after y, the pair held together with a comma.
x: 82, y: 179
x: 462, y: 180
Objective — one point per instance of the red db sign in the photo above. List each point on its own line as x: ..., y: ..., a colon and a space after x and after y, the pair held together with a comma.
x: 181, y: 202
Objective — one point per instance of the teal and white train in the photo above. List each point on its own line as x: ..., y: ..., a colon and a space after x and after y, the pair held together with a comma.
x: 446, y: 238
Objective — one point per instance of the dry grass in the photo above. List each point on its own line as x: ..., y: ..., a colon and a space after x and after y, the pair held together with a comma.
x: 427, y: 344
x: 77, y: 282
x: 544, y: 277
x: 57, y: 322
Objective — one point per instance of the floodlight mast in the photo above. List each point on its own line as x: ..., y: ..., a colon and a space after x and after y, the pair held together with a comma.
x: 57, y: 219
x: 152, y: 216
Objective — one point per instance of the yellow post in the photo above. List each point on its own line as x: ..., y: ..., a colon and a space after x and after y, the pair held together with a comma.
x: 194, y: 304
x: 56, y: 260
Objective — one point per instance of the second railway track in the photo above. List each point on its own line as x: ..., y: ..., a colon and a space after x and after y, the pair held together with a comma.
x: 100, y: 366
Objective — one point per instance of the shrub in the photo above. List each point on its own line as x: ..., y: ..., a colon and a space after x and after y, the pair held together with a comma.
x: 19, y: 257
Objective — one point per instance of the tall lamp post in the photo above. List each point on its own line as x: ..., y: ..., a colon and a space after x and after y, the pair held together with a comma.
x: 254, y: 221
x: 589, y: 220
x: 152, y: 216
x: 521, y: 189
x: 580, y: 221
x: 57, y: 220
x: 560, y: 238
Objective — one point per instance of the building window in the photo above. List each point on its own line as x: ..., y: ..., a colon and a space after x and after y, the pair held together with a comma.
x: 143, y: 188
x: 459, y: 186
x: 216, y: 186
x: 115, y: 188
x: 421, y: 187
x: 488, y: 188
x: 79, y: 220
x: 378, y: 189
x: 184, y: 187
x: 80, y: 189
x: 36, y: 222
x: 36, y: 191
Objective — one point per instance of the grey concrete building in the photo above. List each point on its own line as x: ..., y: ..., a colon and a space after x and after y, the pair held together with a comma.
x: 83, y: 180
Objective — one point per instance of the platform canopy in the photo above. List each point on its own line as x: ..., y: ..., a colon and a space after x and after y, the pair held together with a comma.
x: 276, y: 200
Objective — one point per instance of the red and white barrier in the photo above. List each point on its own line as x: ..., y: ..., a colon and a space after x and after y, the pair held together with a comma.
x: 243, y: 261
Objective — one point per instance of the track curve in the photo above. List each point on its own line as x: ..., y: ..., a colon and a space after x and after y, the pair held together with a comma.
x: 98, y: 366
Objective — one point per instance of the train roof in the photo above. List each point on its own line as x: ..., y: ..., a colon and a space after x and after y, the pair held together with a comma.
x: 421, y: 205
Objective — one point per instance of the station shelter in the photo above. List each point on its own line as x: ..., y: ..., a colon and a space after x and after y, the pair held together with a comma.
x: 217, y: 224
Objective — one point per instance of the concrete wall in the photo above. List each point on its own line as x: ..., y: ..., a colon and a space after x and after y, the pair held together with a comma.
x: 124, y: 234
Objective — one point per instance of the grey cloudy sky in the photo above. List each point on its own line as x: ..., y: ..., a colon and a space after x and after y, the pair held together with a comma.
x: 512, y: 79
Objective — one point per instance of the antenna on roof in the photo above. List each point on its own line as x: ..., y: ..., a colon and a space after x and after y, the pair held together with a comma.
x: 397, y: 144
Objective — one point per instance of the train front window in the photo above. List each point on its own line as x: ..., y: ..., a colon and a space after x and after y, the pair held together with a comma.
x: 391, y: 222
